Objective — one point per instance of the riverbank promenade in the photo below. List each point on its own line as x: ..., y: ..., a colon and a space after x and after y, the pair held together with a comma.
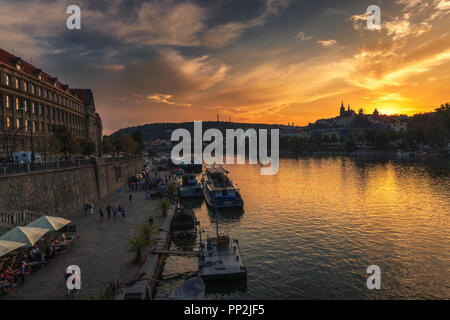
x: 101, y: 251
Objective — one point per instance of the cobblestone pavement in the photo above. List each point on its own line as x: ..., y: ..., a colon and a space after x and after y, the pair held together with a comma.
x: 101, y: 251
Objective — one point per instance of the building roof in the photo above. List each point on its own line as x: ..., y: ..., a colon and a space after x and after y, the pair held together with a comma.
x: 82, y: 94
x: 10, y: 59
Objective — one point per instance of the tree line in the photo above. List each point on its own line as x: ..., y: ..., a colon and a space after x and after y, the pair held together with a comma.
x: 124, y: 143
x: 431, y: 128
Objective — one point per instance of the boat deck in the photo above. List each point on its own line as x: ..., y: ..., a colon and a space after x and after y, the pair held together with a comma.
x: 222, y: 262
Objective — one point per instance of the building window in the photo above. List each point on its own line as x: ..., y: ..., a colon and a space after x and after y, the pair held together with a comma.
x: 25, y: 106
x: 8, y: 103
x: 18, y: 66
x: 25, y: 85
x: 39, y: 91
x: 32, y: 89
x: 8, y: 122
x: 8, y: 79
x: 16, y: 83
x: 17, y: 103
x: 32, y: 108
x: 18, y: 123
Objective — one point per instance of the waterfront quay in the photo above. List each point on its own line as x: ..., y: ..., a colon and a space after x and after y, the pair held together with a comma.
x: 101, y: 252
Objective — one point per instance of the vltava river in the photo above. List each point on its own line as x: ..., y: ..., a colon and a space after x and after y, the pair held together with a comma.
x: 311, y: 231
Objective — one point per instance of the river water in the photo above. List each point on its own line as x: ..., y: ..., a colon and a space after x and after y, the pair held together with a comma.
x: 311, y: 231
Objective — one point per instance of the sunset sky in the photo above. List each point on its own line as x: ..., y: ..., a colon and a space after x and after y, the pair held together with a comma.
x: 273, y: 61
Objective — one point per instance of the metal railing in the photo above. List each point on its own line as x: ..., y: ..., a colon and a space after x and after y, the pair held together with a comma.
x: 17, y: 168
x: 18, y: 218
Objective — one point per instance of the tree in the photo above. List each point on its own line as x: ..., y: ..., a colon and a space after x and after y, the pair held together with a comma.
x: 9, y: 140
x: 164, y: 206
x: 128, y: 144
x: 87, y: 146
x: 124, y: 143
x: 52, y: 144
x: 66, y: 139
x: 136, y: 244
x: 107, y: 144
x: 172, y: 188
x: 139, y: 139
x: 146, y: 229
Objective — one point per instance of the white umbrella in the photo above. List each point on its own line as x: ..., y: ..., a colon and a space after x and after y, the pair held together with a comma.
x: 26, y: 235
x: 48, y: 222
x: 8, y: 246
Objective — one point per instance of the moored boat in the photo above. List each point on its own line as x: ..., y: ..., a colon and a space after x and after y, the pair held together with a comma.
x: 219, y: 191
x: 190, y: 187
x: 220, y: 258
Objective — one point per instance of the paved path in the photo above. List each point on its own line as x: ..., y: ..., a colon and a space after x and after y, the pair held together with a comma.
x: 101, y: 252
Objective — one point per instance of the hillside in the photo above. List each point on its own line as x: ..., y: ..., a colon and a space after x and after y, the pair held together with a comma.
x: 155, y: 131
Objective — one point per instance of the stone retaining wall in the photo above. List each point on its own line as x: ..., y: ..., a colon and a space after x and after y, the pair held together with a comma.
x: 62, y: 192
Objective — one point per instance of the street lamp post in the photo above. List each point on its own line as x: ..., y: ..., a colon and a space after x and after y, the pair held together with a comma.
x: 33, y: 158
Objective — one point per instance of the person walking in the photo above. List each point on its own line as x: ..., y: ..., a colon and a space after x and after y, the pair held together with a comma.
x: 86, y: 208
x: 22, y: 271
x: 123, y: 212
x: 121, y: 191
x: 91, y: 206
x: 108, y: 211
x: 114, y: 209
x: 131, y: 200
x: 102, y: 213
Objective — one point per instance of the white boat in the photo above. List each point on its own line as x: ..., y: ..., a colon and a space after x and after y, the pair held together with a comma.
x: 219, y: 191
x: 192, y: 289
x: 190, y: 187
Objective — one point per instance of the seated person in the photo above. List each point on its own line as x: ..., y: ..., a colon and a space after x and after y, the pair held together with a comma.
x: 59, y: 245
x: 50, y: 251
x: 26, y: 263
x: 35, y: 254
x: 10, y: 274
x: 4, y: 284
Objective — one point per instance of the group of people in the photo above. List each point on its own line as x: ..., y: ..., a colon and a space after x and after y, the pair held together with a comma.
x: 88, y: 208
x: 112, y: 211
x: 10, y: 276
x: 30, y: 261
